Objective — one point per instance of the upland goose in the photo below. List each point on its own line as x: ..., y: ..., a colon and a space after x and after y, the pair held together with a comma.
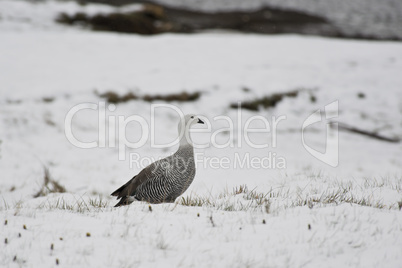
x: 166, y: 179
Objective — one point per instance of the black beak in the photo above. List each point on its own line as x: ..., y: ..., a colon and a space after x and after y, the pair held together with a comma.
x: 200, y: 121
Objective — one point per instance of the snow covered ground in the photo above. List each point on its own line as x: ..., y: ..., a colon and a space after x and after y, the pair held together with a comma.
x: 306, y: 213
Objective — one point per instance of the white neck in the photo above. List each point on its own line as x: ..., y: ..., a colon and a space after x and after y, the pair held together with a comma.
x: 184, y: 135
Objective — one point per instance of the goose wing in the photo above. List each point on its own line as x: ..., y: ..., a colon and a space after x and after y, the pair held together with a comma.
x: 126, y: 192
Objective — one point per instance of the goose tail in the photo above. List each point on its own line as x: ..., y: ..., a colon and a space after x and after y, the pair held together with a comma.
x: 124, y: 201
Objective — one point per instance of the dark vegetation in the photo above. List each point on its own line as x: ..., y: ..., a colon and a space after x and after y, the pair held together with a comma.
x: 154, y: 19
x: 266, y: 101
x: 113, y: 97
x: 149, y: 21
x: 361, y: 95
x: 47, y: 99
x: 370, y: 134
x: 264, y: 20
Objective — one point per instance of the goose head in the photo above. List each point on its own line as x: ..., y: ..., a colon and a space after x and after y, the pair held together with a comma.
x: 184, y: 126
x: 192, y: 119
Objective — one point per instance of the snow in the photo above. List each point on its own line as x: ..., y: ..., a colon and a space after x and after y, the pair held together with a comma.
x: 170, y: 237
x: 41, y: 59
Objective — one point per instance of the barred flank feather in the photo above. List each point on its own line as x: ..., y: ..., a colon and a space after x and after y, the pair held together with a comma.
x: 169, y: 178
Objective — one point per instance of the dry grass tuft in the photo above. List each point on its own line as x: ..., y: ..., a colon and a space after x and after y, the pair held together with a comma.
x: 79, y: 205
x: 49, y: 185
x: 243, y: 199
